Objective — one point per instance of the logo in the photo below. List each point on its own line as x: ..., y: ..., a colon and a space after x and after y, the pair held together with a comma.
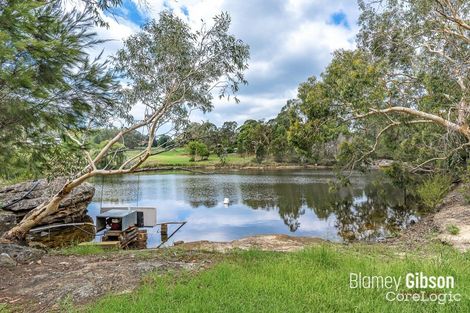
x: 412, y: 287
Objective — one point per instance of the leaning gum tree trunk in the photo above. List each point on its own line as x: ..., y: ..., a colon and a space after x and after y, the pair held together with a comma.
x: 19, y: 232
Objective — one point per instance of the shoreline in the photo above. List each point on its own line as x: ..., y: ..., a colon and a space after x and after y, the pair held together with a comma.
x: 434, y: 226
x: 234, y: 167
x: 36, y: 282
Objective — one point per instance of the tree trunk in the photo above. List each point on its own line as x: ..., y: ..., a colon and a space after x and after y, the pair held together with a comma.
x: 19, y: 232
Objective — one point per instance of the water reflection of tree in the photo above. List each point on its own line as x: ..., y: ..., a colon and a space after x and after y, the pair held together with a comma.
x: 361, y: 213
x: 286, y: 198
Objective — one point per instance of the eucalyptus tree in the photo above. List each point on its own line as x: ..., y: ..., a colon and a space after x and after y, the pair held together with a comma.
x: 171, y: 70
x: 254, y: 137
x: 403, y: 92
x: 420, y: 51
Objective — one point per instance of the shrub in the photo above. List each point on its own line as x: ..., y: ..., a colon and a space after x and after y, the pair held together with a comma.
x: 197, y: 148
x: 433, y: 190
x: 202, y: 151
x: 453, y: 230
x: 191, y: 147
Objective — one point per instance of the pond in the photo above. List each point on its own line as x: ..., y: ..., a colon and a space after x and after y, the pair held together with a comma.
x: 293, y: 202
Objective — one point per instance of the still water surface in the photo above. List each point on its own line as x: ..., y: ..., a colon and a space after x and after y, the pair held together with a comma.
x: 298, y: 203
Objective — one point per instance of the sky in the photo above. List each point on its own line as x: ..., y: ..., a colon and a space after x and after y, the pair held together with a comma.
x: 290, y: 40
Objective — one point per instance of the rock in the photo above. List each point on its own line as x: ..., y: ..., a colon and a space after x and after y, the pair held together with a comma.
x: 6, y: 261
x: 7, y: 221
x: 21, y: 254
x: 21, y: 198
x: 17, y: 201
x: 279, y: 242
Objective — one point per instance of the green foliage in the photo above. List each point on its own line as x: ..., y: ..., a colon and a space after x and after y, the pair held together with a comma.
x: 453, y: 229
x: 48, y: 84
x: 400, y: 176
x: 433, y: 190
x: 113, y: 159
x: 130, y: 140
x: 163, y: 141
x: 4, y: 308
x: 83, y: 250
x: 400, y: 63
x: 254, y: 138
x: 173, y: 68
x: 197, y: 149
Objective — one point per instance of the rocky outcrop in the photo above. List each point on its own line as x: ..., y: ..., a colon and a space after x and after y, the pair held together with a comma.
x: 20, y: 254
x: 6, y: 261
x: 7, y: 221
x: 279, y: 242
x: 16, y: 201
x: 20, y: 199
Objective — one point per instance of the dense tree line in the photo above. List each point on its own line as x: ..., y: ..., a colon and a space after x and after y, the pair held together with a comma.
x: 401, y: 95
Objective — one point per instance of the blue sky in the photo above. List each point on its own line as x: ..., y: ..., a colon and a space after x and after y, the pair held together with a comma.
x: 289, y: 40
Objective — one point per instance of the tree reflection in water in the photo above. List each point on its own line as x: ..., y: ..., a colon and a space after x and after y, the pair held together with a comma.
x: 374, y: 211
x: 368, y: 209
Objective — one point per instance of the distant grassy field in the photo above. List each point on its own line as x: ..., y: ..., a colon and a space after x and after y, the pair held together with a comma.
x: 313, y: 280
x: 179, y: 157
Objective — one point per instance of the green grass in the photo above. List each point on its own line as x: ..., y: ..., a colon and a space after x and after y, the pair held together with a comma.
x: 83, y: 250
x: 179, y: 157
x: 453, y: 229
x: 313, y: 280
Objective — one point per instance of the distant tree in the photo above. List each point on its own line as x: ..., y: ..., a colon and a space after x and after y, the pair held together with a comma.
x: 205, y: 132
x: 192, y: 149
x: 130, y: 140
x: 203, y: 151
x: 163, y: 141
x: 228, y: 136
x: 254, y: 138
x: 280, y: 147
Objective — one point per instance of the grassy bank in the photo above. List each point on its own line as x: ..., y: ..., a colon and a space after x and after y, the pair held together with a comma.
x: 313, y: 280
x: 180, y: 157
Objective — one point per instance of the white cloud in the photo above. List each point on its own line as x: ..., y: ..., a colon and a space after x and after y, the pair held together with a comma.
x: 289, y: 41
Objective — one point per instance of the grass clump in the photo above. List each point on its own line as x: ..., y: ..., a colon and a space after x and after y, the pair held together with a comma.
x: 313, y: 280
x: 433, y: 190
x: 453, y: 229
x: 83, y: 250
x: 4, y: 308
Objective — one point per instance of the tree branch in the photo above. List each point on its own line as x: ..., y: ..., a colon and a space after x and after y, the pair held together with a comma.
x: 427, y: 116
